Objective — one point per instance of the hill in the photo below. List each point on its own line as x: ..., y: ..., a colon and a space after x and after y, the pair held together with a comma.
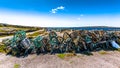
x: 7, y: 29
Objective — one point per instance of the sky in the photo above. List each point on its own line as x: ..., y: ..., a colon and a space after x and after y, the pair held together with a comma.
x: 60, y: 13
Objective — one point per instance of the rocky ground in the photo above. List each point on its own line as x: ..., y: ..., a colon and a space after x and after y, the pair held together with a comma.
x: 109, y: 59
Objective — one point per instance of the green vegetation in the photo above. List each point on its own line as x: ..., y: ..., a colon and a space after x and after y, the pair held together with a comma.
x: 70, y: 54
x: 118, y: 50
x: 7, y: 30
x: 62, y: 56
x: 34, y: 34
x: 102, y: 52
x: 17, y: 66
x: 37, y: 33
x: 2, y: 47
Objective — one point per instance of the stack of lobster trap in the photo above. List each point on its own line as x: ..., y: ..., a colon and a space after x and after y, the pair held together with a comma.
x: 77, y: 41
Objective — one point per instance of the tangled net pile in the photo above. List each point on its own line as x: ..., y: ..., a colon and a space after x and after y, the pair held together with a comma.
x: 77, y: 41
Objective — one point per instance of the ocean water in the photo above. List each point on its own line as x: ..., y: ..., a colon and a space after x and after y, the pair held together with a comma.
x: 87, y: 28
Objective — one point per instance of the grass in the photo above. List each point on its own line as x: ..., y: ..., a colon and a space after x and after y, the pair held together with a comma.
x: 70, y: 54
x: 62, y: 56
x: 118, y: 50
x: 16, y: 65
x: 45, y: 33
x: 2, y: 47
x: 37, y: 33
x: 7, y: 31
x: 102, y: 52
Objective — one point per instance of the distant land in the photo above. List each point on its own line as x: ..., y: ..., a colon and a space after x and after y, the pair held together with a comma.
x: 106, y: 28
x: 8, y: 29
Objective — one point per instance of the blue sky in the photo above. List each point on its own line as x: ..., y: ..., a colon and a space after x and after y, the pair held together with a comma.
x: 59, y: 13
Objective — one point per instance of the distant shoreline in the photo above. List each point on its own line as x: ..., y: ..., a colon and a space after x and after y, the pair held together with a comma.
x: 105, y: 28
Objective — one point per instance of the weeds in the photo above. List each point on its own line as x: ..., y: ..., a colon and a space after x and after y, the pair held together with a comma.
x: 2, y: 47
x: 102, y: 52
x: 17, y: 66
x: 62, y: 56
x: 37, y: 33
x: 118, y: 50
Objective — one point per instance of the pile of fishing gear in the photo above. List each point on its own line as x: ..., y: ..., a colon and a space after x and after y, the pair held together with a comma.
x: 77, y: 41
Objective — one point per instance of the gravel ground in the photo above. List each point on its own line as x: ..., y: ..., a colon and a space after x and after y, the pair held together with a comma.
x: 111, y: 59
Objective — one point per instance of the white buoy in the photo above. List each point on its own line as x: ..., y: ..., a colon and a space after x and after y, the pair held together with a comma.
x: 26, y: 42
x: 115, y: 45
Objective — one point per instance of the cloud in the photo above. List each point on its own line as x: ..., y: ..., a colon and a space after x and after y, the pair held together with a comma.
x: 79, y: 18
x: 81, y: 15
x: 56, y: 9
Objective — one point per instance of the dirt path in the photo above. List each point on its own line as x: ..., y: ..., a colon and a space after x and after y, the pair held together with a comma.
x: 109, y: 60
x: 1, y: 38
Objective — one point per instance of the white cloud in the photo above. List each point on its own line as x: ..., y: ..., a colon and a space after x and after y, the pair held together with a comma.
x: 56, y: 9
x: 79, y: 18
x: 81, y: 15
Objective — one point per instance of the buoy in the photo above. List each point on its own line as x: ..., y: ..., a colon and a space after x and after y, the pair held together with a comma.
x: 115, y: 45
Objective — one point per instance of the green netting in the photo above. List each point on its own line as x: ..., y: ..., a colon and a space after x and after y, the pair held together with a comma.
x: 54, y: 41
x: 53, y: 38
x: 38, y: 41
x: 88, y: 39
x: 18, y: 36
x: 52, y: 34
